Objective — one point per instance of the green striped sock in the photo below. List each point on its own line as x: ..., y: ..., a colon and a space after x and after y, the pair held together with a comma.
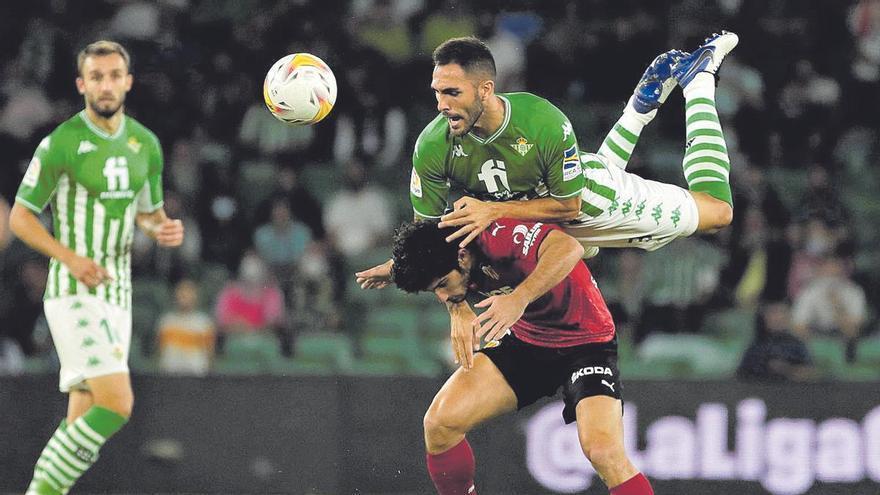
x: 619, y: 144
x: 706, y: 165
x: 72, y: 450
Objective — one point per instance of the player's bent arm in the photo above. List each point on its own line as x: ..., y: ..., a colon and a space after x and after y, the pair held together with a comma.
x: 165, y: 231
x: 557, y: 257
x: 26, y: 226
x: 150, y: 222
x: 542, y: 209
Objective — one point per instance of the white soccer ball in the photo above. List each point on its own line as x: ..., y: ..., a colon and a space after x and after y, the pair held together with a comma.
x: 300, y: 89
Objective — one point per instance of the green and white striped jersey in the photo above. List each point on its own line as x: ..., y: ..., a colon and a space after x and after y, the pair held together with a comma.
x: 96, y: 183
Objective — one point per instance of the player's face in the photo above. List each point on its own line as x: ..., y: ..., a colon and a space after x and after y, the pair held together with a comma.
x: 458, y: 97
x: 104, y: 81
x: 452, y: 287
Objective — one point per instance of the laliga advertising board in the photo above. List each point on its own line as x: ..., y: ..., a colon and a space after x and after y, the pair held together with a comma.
x: 784, y: 443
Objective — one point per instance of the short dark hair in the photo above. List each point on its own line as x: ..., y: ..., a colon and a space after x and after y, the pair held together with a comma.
x: 421, y: 255
x: 99, y: 49
x: 469, y: 52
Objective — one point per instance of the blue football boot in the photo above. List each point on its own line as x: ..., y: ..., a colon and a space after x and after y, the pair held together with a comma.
x: 656, y: 83
x: 706, y: 58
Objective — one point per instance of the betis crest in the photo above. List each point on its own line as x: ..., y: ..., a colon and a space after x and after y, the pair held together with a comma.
x: 522, y: 146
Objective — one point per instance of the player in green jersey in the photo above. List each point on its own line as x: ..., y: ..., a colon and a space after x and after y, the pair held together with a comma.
x: 101, y: 172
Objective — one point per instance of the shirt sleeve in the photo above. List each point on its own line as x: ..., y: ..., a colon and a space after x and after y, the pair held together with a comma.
x: 41, y: 179
x: 513, y: 239
x: 428, y: 186
x: 151, y: 197
x: 564, y: 176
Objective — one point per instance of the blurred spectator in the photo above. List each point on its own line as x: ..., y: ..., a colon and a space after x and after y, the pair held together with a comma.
x: 225, y: 232
x: 359, y: 216
x: 812, y: 240
x: 148, y: 257
x: 282, y: 241
x: 452, y: 19
x: 832, y: 304
x: 678, y: 286
x: 303, y: 204
x: 252, y: 303
x: 776, y: 354
x: 27, y: 108
x: 186, y: 334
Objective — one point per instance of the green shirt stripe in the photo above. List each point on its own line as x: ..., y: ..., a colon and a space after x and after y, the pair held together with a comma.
x: 604, y: 191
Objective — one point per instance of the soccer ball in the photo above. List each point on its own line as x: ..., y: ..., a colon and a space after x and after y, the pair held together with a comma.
x: 300, y: 89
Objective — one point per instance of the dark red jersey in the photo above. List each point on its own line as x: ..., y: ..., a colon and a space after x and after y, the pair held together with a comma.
x: 572, y: 313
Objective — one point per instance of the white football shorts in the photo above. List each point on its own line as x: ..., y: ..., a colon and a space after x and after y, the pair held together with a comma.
x: 643, y: 213
x: 92, y: 338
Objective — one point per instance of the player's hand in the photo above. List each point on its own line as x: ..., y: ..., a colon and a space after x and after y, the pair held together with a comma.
x: 472, y: 216
x: 503, y: 312
x: 87, y: 271
x: 377, y: 277
x: 464, y: 342
x: 170, y: 233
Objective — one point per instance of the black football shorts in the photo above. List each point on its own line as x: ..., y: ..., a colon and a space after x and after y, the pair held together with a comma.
x: 533, y: 372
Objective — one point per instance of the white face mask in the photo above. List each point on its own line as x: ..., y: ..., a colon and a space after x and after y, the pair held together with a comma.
x: 251, y: 270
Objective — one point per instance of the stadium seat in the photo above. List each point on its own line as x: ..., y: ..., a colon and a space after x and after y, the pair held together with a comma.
x: 257, y: 180
x: 211, y: 279
x: 686, y: 355
x: 330, y: 351
x: 395, y: 321
x: 249, y: 354
x: 828, y: 354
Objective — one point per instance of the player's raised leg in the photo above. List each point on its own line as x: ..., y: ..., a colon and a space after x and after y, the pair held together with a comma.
x: 467, y: 399
x: 600, y: 431
x: 706, y: 164
x: 652, y: 90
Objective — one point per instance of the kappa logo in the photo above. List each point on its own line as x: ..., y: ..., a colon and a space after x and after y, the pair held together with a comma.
x: 566, y: 130
x: 458, y: 151
x: 591, y: 370
x: 85, y: 146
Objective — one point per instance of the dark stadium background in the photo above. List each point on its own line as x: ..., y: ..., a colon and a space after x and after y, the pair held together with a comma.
x: 330, y: 400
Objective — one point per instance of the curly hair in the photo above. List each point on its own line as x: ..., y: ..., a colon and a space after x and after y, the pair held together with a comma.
x: 421, y: 255
x: 469, y: 52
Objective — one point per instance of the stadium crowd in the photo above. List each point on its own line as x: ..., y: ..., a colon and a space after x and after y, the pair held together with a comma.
x: 278, y: 218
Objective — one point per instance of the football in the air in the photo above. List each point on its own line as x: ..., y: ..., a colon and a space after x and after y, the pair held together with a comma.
x: 300, y: 89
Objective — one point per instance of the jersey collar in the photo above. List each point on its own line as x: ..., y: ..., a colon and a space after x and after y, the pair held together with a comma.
x: 100, y: 132
x: 500, y: 129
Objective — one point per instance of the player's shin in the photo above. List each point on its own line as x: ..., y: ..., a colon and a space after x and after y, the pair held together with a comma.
x: 453, y: 471
x: 620, y: 142
x: 706, y: 164
x: 72, y: 450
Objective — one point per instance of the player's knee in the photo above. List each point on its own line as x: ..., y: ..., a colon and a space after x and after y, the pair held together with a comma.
x: 604, y: 452
x: 122, y: 403
x: 441, y: 427
x: 715, y: 215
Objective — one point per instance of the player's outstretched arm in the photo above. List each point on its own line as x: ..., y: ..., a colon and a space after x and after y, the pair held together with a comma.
x: 27, y: 227
x: 473, y: 216
x: 377, y: 277
x: 165, y: 231
x: 557, y: 256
